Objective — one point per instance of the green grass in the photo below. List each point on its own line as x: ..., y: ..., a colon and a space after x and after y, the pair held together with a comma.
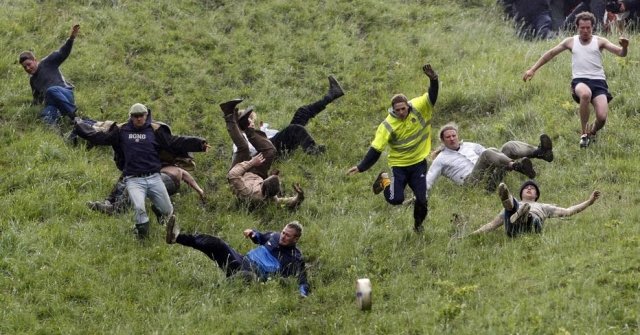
x: 67, y: 270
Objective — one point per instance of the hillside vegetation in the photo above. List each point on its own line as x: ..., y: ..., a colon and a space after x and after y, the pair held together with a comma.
x: 68, y: 270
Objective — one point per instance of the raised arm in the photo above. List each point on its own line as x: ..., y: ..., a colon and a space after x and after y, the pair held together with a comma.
x: 61, y: 55
x: 433, y: 83
x: 614, y: 49
x: 575, y: 209
x: 547, y: 56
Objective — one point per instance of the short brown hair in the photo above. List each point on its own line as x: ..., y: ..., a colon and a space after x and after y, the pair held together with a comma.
x: 586, y: 16
x: 26, y: 55
x: 399, y: 98
x: 295, y: 225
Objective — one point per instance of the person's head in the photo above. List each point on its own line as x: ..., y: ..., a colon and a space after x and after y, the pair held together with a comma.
x: 138, y: 114
x: 271, y: 186
x: 449, y: 136
x: 529, y: 191
x: 28, y: 61
x: 584, y: 24
x: 245, y: 117
x: 290, y: 234
x: 400, y: 106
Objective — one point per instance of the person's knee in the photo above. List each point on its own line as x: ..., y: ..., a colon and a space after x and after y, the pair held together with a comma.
x: 584, y: 95
x: 395, y: 201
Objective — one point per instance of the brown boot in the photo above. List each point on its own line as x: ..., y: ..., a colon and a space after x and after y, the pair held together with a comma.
x: 229, y: 107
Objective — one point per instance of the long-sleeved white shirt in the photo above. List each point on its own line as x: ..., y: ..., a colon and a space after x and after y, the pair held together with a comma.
x: 455, y: 164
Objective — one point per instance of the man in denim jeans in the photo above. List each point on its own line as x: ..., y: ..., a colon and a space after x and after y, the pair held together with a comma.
x: 48, y: 85
x: 136, y: 145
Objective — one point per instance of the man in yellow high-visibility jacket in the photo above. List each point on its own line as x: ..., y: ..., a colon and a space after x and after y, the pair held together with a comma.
x: 407, y: 133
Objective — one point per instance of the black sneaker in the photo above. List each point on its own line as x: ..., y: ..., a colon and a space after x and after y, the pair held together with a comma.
x: 545, y: 148
x: 335, y: 90
x: 525, y: 167
x: 377, y: 185
x: 173, y: 230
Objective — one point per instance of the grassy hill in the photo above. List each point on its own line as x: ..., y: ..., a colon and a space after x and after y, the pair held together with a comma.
x: 68, y: 270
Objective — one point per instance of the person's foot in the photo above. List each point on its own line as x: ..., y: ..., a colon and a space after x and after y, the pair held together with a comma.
x: 141, y: 230
x: 505, y: 197
x: 381, y: 181
x: 525, y: 167
x: 173, y: 230
x: 335, y: 90
x: 229, y: 107
x: 545, y: 149
x: 418, y: 228
x: 521, y: 214
x: 584, y: 141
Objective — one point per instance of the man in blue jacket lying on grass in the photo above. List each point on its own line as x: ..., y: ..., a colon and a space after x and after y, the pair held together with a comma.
x: 277, y: 253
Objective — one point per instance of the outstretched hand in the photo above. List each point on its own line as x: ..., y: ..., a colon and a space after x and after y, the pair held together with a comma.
x: 248, y: 233
x: 74, y: 30
x: 429, y: 72
x: 528, y: 75
x: 594, y: 196
x: 353, y: 170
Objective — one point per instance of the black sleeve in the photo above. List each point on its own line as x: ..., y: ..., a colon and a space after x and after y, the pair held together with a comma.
x: 180, y: 144
x: 369, y: 159
x: 433, y: 90
x: 61, y: 55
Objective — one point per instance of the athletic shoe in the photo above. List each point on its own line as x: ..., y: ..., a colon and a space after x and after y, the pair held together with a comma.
x: 505, y: 197
x: 173, y: 230
x: 584, y: 141
x: 378, y: 185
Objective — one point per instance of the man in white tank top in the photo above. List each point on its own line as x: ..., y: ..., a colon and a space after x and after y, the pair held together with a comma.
x: 588, y: 84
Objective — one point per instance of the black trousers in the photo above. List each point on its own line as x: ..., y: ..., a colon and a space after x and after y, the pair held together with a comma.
x: 227, y: 258
x: 295, y: 134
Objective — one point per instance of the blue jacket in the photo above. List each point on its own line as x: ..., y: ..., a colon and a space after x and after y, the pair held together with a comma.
x: 291, y: 262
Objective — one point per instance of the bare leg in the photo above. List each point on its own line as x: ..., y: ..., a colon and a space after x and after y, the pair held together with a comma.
x: 601, y: 107
x: 584, y: 93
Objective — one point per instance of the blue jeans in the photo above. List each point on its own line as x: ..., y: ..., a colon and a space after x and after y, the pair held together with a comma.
x: 513, y: 229
x: 58, y: 101
x: 151, y: 186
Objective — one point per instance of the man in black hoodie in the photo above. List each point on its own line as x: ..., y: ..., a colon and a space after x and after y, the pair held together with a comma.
x: 137, y: 145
